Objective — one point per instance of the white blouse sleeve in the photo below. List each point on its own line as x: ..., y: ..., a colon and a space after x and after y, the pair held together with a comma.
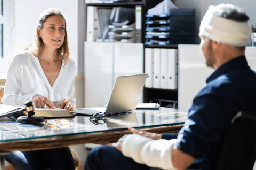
x: 13, y: 84
x: 71, y: 94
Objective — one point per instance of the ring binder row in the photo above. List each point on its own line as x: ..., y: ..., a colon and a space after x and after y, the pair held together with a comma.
x: 162, y: 68
x: 177, y: 27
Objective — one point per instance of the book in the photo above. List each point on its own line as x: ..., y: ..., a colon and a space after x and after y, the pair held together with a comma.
x: 13, y: 112
x: 53, y: 113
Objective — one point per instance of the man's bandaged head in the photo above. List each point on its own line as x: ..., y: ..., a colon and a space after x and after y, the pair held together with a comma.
x: 219, y: 29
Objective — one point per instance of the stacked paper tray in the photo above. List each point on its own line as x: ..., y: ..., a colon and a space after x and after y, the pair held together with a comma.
x: 160, y: 35
x: 178, y: 27
x: 157, y: 29
x: 124, y: 34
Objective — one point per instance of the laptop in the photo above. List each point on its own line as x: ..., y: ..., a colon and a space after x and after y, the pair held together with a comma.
x: 124, y: 97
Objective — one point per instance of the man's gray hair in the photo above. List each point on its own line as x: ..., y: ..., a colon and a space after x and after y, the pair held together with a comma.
x: 231, y: 12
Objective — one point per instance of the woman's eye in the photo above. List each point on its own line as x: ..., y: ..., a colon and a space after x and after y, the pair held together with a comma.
x: 51, y: 28
x: 62, y: 28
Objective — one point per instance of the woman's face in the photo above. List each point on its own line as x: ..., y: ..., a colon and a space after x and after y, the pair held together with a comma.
x: 53, y: 32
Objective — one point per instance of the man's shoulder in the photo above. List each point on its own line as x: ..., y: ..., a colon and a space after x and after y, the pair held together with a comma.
x: 231, y: 83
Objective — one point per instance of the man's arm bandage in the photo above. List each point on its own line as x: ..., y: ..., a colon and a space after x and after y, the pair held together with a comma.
x: 153, y: 153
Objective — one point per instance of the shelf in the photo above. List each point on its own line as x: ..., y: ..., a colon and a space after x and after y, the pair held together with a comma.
x: 157, y: 36
x: 157, y: 16
x: 172, y: 46
x: 157, y: 22
x: 115, y: 4
x: 173, y: 90
x: 154, y: 94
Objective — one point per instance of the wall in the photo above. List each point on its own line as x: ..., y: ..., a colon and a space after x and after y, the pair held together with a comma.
x: 81, y: 34
x: 8, y: 22
x: 193, y: 72
x: 201, y: 7
x: 26, y: 14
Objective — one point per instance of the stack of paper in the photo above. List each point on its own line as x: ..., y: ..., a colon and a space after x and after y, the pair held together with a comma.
x: 162, y: 8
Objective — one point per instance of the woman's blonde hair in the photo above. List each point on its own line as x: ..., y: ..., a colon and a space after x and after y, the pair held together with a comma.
x: 63, y: 51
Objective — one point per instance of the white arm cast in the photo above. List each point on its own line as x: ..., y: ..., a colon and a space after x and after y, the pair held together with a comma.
x: 153, y: 153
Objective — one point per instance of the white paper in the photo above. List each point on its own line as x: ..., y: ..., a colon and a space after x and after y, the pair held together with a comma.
x: 6, y: 108
x: 89, y: 111
x: 147, y: 105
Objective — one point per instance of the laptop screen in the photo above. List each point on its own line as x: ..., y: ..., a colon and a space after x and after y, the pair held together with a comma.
x: 126, y: 93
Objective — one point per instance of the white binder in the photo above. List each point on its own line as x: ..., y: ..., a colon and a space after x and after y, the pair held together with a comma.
x: 172, y: 71
x: 157, y: 70
x: 92, y: 23
x: 149, y: 67
x: 164, y: 54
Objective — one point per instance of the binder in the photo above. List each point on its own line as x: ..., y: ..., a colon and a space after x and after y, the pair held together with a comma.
x: 172, y: 77
x: 149, y: 67
x: 92, y: 24
x: 138, y: 19
x: 157, y: 70
x: 164, y: 53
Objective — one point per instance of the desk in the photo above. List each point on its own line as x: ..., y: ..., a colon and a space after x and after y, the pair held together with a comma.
x: 62, y: 133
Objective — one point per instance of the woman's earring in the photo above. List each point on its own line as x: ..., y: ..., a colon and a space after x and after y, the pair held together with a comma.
x: 38, y: 32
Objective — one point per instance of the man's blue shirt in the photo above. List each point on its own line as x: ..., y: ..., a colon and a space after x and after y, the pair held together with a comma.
x: 230, y: 89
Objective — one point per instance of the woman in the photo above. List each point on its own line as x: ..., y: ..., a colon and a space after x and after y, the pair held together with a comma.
x: 43, y: 74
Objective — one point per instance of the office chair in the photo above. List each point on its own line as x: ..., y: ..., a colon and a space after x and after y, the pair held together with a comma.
x: 239, y: 148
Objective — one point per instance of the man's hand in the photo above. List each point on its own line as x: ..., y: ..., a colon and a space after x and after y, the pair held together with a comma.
x: 65, y: 105
x: 41, y: 102
x: 119, y: 144
x: 153, y: 136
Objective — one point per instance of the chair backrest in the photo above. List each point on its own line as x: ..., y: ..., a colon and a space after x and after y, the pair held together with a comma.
x: 239, y: 147
x: 1, y: 94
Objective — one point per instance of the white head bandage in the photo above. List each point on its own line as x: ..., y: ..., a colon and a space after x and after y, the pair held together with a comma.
x: 224, y: 30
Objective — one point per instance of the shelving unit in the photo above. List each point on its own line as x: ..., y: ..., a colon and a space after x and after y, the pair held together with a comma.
x: 139, y: 34
x: 166, y: 32
x: 153, y: 93
x: 104, y: 61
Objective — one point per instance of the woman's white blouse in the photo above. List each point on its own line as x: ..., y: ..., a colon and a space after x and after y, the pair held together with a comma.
x: 26, y: 78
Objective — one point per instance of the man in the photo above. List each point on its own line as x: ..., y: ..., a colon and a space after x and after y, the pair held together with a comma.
x: 224, y: 32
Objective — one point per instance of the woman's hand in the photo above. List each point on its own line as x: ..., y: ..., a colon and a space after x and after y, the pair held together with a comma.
x: 65, y: 105
x: 41, y: 102
x: 153, y: 136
